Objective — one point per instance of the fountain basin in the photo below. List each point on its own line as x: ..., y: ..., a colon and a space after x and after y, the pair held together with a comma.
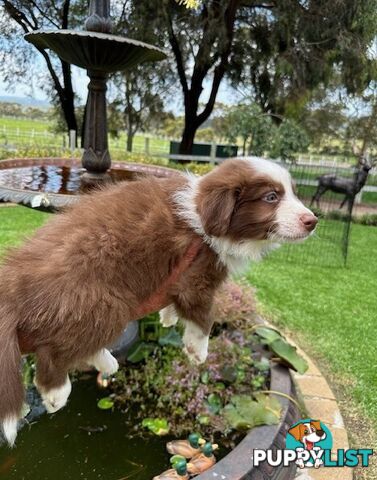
x: 96, y: 51
x: 54, y: 183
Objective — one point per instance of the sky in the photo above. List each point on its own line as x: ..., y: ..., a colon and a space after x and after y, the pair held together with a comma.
x: 80, y: 81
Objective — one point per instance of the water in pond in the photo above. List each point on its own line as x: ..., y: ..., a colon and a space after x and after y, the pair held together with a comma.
x: 59, y: 447
x: 53, y: 178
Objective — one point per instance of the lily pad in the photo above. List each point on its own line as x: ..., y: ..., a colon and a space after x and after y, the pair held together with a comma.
x: 140, y: 351
x: 289, y: 354
x: 282, y: 349
x: 105, y: 403
x: 268, y: 334
x: 172, y: 338
x: 159, y: 426
x: 244, y: 412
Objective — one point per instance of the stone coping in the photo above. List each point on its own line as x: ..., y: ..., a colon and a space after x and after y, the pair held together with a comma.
x: 320, y: 403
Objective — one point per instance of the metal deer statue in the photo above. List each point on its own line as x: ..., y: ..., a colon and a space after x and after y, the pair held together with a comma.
x: 350, y: 187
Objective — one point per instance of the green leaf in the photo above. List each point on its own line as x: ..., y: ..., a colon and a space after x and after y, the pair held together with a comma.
x: 244, y: 413
x: 289, y: 354
x: 172, y: 338
x: 241, y: 375
x: 140, y: 351
x: 219, y: 386
x: 203, y: 419
x: 268, y: 334
x: 263, y: 365
x: 229, y: 374
x: 204, y: 377
x: 105, y: 403
x: 214, y: 403
x: 159, y: 426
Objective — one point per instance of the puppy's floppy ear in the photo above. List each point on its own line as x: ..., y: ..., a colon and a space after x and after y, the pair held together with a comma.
x: 316, y: 424
x: 215, y: 207
x: 296, y: 432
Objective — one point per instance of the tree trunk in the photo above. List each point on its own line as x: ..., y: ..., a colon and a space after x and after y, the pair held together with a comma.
x: 191, y: 121
x: 187, y: 142
x: 130, y: 139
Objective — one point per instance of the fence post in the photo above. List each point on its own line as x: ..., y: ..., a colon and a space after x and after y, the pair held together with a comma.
x: 213, y: 153
x: 146, y: 145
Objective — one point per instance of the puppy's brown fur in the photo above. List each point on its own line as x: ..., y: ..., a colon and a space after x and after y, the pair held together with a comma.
x: 72, y: 289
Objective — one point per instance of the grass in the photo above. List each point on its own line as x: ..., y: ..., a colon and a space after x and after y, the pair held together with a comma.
x: 16, y: 223
x: 331, y: 311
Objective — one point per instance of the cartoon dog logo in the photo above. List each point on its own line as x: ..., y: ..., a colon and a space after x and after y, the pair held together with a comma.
x: 308, y: 433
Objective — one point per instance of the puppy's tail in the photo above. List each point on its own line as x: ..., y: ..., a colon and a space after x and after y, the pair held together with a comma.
x: 11, y: 386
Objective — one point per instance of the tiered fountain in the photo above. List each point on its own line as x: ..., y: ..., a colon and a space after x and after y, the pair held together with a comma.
x: 50, y: 183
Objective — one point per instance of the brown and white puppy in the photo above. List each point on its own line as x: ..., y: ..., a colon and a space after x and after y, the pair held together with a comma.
x: 71, y: 289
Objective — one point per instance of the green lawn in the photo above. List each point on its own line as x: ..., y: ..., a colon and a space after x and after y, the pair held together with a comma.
x: 16, y: 223
x: 330, y: 311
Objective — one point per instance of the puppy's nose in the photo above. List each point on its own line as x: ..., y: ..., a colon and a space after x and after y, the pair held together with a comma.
x: 320, y: 433
x: 309, y: 221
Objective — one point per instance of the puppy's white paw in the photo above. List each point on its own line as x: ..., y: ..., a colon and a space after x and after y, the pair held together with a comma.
x: 195, y: 357
x: 10, y: 430
x: 104, y: 362
x: 168, y: 316
x: 56, y: 398
x: 195, y: 344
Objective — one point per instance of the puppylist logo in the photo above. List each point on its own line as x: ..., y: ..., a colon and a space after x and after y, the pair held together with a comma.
x: 309, y: 444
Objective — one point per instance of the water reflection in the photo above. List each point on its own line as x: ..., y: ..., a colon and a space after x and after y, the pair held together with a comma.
x: 53, y: 178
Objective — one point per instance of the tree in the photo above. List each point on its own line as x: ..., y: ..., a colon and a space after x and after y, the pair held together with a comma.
x: 200, y: 42
x: 285, y: 49
x: 282, y: 49
x: 140, y: 98
x: 247, y: 122
x: 289, y: 139
x: 361, y: 131
x: 20, y: 60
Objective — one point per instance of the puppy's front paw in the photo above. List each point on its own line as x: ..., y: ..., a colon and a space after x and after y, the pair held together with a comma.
x: 168, y: 316
x: 197, y: 357
x: 56, y: 398
x: 104, y: 362
x: 195, y: 343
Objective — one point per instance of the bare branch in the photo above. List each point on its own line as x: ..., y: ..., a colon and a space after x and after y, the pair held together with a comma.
x: 177, y: 53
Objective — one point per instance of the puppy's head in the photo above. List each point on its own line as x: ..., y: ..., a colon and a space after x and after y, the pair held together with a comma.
x: 252, y: 199
x: 308, y: 433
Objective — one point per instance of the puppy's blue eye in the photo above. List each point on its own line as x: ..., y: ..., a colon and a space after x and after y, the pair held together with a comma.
x: 271, y: 197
